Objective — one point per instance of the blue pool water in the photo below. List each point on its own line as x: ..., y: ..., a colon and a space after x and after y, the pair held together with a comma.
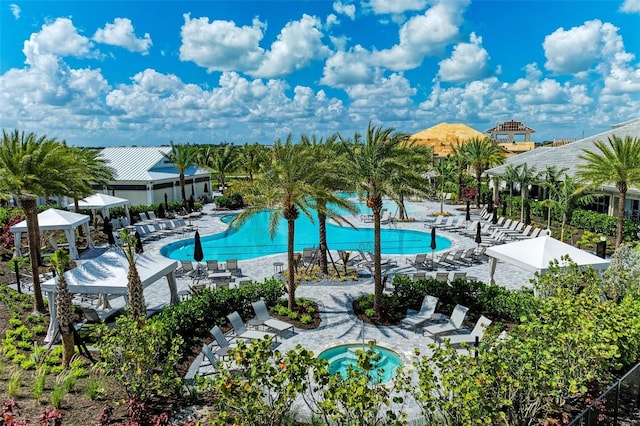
x: 340, y: 358
x: 253, y: 240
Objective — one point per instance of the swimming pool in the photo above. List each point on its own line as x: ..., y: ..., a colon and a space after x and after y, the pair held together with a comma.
x: 343, y: 357
x: 253, y: 240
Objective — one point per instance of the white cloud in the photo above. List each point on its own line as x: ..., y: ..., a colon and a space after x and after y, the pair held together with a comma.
x: 395, y: 7
x: 423, y: 35
x: 59, y: 38
x: 630, y: 6
x: 345, y: 9
x: 221, y: 45
x: 386, y: 99
x: 122, y: 34
x: 15, y: 10
x: 577, y: 49
x: 298, y: 43
x: 468, y: 61
x: 347, y: 68
x: 332, y: 20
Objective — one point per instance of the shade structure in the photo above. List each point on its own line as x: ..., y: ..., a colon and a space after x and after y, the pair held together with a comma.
x: 102, y: 202
x: 56, y: 220
x: 478, y: 233
x: 198, y: 254
x: 107, y: 274
x: 433, y: 238
x: 468, y: 213
x: 535, y: 254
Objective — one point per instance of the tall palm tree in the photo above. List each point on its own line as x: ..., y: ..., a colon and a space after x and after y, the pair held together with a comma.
x: 286, y: 187
x: 182, y: 157
x: 550, y: 178
x: 525, y: 176
x: 510, y: 176
x: 60, y: 261
x: 251, y: 158
x: 225, y: 160
x: 328, y: 155
x: 615, y: 162
x: 565, y: 196
x: 135, y: 290
x: 459, y: 158
x: 481, y: 154
x: 446, y: 170
x: 32, y: 167
x: 376, y: 166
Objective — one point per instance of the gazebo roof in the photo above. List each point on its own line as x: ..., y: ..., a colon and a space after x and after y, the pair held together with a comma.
x: 100, y: 200
x: 53, y: 220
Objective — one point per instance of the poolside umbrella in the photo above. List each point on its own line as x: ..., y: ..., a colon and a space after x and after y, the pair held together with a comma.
x: 527, y: 213
x: 139, y: 248
x: 504, y: 208
x: 478, y: 233
x: 433, y: 244
x: 490, y: 204
x: 468, y: 216
x: 166, y: 202
x: 198, y: 254
x: 494, y: 218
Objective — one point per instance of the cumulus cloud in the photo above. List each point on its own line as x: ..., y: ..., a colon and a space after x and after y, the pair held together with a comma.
x: 345, y: 9
x: 221, y: 45
x: 468, y: 61
x: 298, y: 43
x: 59, y: 38
x: 395, y: 7
x: 15, y: 10
x: 122, y: 34
x: 423, y: 35
x: 346, y: 68
x: 630, y: 6
x: 577, y: 49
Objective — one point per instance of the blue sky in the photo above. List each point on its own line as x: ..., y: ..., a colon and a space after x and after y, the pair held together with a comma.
x: 148, y: 72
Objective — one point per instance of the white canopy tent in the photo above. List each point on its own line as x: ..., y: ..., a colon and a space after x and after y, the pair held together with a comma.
x: 535, y: 254
x: 56, y: 220
x: 102, y: 202
x: 107, y: 274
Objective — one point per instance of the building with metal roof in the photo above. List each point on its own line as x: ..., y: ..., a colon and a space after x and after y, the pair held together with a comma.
x: 568, y: 156
x: 144, y: 176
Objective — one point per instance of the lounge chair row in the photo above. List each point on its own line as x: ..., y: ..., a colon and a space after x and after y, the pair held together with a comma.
x: 441, y: 328
x: 449, y: 259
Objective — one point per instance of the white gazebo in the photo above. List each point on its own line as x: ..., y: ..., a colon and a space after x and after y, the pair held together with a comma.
x: 107, y: 274
x: 102, y: 202
x: 56, y: 220
x: 535, y: 254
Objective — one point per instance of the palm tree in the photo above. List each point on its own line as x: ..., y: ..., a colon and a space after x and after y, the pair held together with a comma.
x: 616, y: 162
x: 252, y: 157
x: 224, y: 160
x: 376, y: 167
x: 446, y: 172
x: 564, y: 196
x: 135, y: 290
x: 32, y: 167
x: 550, y: 179
x: 182, y: 157
x: 525, y: 176
x: 286, y: 187
x: 328, y: 156
x: 510, y: 176
x: 60, y: 261
x: 459, y: 158
x: 482, y: 154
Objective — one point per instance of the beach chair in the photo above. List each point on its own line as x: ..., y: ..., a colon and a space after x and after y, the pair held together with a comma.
x: 442, y: 277
x: 476, y: 334
x: 264, y: 319
x: 241, y: 332
x: 436, y: 222
x: 456, y: 259
x: 212, y: 266
x: 449, y: 222
x: 419, y: 262
x: 414, y: 319
x: 454, y: 323
x: 459, y: 276
x: 419, y: 276
x: 461, y: 223
x: 441, y: 262
x: 232, y: 266
x: 223, y: 343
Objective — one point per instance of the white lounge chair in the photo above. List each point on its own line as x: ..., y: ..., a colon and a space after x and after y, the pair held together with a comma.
x: 478, y: 332
x: 454, y: 323
x: 241, y: 331
x: 416, y: 319
x: 264, y: 319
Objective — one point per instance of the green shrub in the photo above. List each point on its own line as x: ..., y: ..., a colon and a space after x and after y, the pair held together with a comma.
x: 230, y: 201
x: 306, y: 319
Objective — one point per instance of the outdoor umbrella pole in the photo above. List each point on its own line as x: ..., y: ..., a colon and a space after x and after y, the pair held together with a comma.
x: 478, y: 234
x: 198, y: 254
x: 433, y: 244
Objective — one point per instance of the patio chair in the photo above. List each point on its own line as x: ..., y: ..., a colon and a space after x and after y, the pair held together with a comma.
x: 478, y: 332
x: 419, y: 276
x: 241, y: 332
x: 456, y: 259
x: 209, y: 360
x: 264, y: 319
x: 308, y: 256
x: 436, y: 222
x: 459, y: 276
x: 186, y: 268
x: 414, y: 319
x: 232, y: 266
x: 449, y: 222
x: 441, y: 261
x: 454, y: 323
x: 419, y: 262
x: 442, y: 277
x: 212, y: 266
x: 456, y: 226
x: 223, y: 344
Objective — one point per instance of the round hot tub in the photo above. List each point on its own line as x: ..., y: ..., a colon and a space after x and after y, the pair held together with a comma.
x: 341, y: 357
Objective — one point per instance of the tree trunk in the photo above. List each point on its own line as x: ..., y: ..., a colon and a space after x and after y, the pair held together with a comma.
x: 478, y: 185
x: 136, y: 294
x: 33, y: 233
x: 620, y: 227
x: 68, y: 349
x: 377, y: 274
x: 322, y: 238
x: 291, y: 279
x: 402, y: 211
x: 460, y: 186
x: 182, y: 191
